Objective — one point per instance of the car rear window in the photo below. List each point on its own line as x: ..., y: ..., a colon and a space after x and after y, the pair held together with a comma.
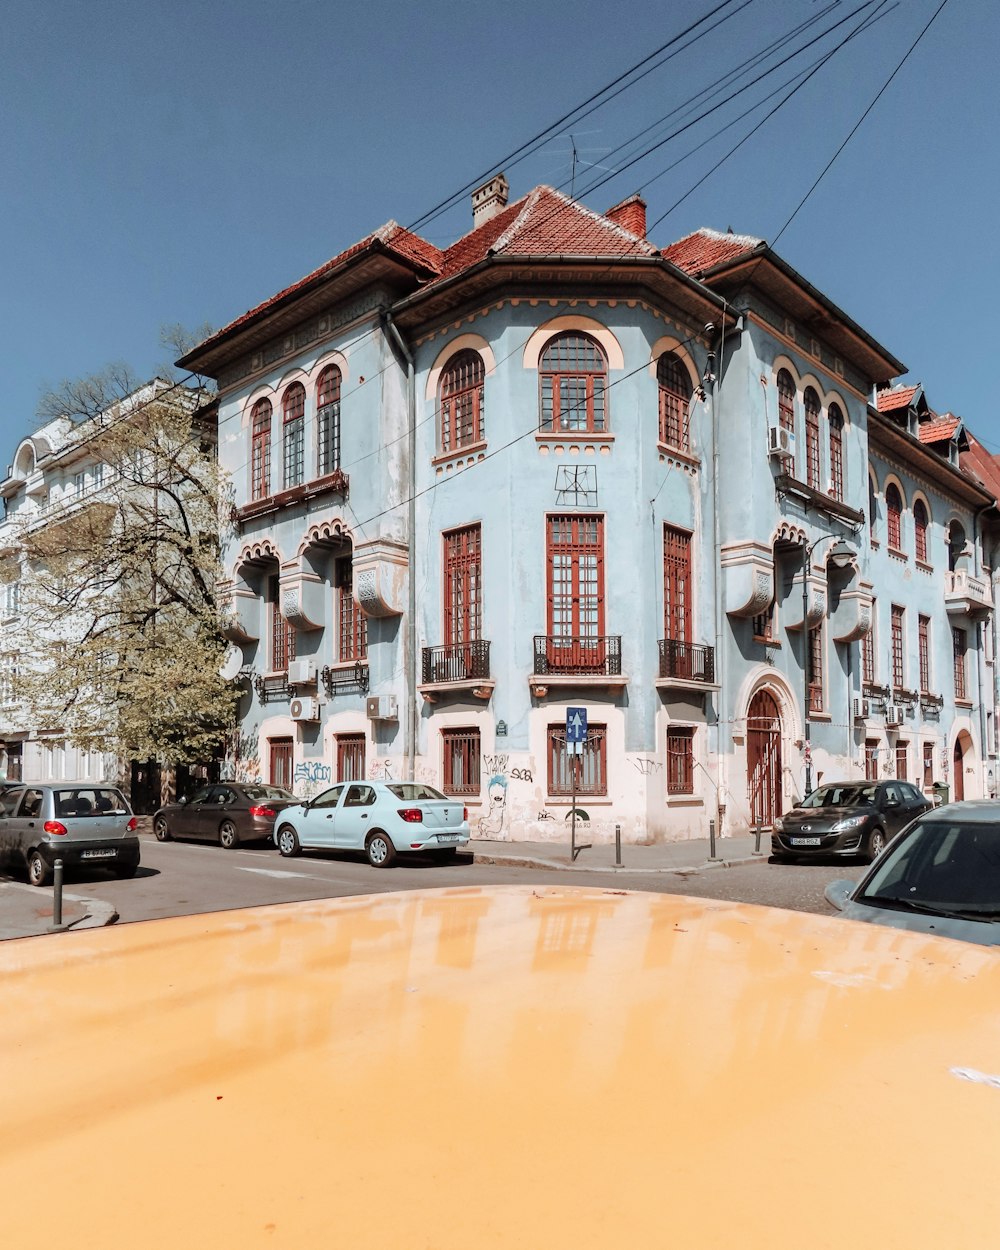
x: 266, y: 792
x: 414, y: 791
x: 90, y: 801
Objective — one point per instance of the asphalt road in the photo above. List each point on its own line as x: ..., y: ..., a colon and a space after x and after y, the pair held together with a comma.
x: 178, y: 878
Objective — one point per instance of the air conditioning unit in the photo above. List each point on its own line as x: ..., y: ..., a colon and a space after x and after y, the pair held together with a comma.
x: 301, y: 672
x: 862, y: 709
x: 382, y: 707
x: 780, y: 442
x: 893, y: 715
x: 304, y: 709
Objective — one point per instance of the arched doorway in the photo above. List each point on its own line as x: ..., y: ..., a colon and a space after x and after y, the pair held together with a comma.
x: 764, y: 759
x: 958, y: 771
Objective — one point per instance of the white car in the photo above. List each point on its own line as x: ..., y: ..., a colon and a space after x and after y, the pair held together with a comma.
x: 381, y: 818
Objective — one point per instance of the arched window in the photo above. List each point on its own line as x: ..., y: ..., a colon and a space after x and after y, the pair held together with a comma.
x: 328, y: 420
x: 872, y: 508
x: 786, y: 401
x: 810, y: 402
x: 260, y: 449
x: 293, y: 435
x: 920, y: 530
x: 894, y: 516
x: 462, y: 413
x: 836, y: 420
x: 674, y: 384
x: 574, y: 379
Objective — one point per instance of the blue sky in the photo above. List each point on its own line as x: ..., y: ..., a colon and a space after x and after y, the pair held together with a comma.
x: 173, y: 161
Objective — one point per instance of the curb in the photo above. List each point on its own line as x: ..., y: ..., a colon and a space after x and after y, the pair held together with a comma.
x: 96, y: 913
x: 681, y: 870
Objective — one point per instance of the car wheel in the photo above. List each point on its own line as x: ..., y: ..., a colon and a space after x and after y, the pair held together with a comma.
x: 288, y: 841
x: 228, y: 837
x: 876, y: 844
x: 127, y: 868
x: 379, y: 849
x: 38, y: 869
x: 161, y: 829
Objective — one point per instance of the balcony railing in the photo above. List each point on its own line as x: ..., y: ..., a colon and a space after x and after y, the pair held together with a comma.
x: 687, y: 661
x: 965, y: 593
x: 576, y: 654
x: 458, y: 661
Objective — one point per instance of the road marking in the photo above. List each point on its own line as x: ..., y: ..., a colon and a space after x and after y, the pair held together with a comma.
x: 277, y: 872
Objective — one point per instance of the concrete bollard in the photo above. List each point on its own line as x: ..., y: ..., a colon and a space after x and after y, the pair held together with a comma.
x: 711, y: 840
x: 618, y: 846
x: 57, y: 888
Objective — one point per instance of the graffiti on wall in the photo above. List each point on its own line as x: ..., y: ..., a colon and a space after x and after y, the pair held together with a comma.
x: 646, y: 766
x: 493, y: 823
x: 380, y: 770
x: 309, y: 775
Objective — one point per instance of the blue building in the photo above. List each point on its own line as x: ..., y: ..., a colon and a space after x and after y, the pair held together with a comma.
x: 554, y: 467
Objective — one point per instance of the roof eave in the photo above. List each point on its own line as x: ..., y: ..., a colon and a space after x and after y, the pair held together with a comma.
x: 902, y: 439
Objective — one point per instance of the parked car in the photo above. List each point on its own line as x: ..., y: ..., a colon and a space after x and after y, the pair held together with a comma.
x: 848, y: 818
x: 226, y: 813
x: 942, y: 876
x: 381, y: 818
x: 79, y: 822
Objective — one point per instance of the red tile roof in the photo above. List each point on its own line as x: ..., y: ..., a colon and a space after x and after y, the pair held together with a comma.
x: 407, y: 246
x: 937, y: 431
x: 981, y: 465
x: 704, y: 249
x: 897, y: 397
x: 543, y: 223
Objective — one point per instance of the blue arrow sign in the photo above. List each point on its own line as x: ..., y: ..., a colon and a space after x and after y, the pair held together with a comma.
x: 576, y: 724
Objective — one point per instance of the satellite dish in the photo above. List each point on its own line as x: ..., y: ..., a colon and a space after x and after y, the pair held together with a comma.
x: 232, y: 663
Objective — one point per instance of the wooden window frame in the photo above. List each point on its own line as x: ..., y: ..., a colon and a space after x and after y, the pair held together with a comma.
x: 815, y: 681
x: 673, y: 383
x: 959, y: 650
x: 293, y: 435
x: 902, y: 760
x: 924, y: 652
x: 461, y: 770
x: 811, y: 406
x: 678, y: 583
x: 898, y: 617
x: 871, y: 759
x: 928, y: 764
x: 574, y: 600
x: 352, y: 624
x: 593, y: 760
x: 868, y: 651
x: 350, y: 747
x: 282, y: 640
x: 921, y: 520
x: 559, y: 414
x: 328, y: 386
x: 894, y: 518
x: 835, y: 419
x: 462, y: 584
x: 680, y: 760
x: 260, y: 449
x: 281, y: 752
x: 461, y: 402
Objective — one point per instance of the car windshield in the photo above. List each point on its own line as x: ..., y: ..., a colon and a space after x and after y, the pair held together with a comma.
x: 944, y: 866
x: 414, y: 791
x: 253, y: 793
x: 840, y: 796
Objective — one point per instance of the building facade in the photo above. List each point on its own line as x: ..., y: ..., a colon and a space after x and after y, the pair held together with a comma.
x: 553, y: 467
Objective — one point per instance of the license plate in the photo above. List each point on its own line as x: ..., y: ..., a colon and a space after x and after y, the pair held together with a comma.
x: 805, y: 841
x: 450, y: 837
x: 99, y: 854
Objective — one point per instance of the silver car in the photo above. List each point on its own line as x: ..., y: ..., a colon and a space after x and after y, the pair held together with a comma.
x: 381, y: 818
x: 79, y: 822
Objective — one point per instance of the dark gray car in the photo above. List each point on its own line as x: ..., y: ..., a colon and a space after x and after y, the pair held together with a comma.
x: 847, y: 818
x: 227, y: 814
x: 83, y: 823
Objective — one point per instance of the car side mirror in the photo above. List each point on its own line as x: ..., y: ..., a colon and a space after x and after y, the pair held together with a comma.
x: 836, y: 893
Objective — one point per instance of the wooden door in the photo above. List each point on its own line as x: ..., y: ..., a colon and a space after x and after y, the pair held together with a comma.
x: 764, y: 759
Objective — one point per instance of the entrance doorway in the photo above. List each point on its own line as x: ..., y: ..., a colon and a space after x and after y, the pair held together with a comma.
x: 764, y: 759
x: 958, y: 771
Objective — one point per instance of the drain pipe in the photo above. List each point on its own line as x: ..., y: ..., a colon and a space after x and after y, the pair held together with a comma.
x: 409, y: 634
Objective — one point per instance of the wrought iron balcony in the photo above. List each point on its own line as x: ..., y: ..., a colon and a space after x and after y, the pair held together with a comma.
x: 458, y: 661
x: 563, y: 655
x: 687, y: 661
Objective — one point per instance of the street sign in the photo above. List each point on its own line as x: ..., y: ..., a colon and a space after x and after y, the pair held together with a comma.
x: 576, y: 730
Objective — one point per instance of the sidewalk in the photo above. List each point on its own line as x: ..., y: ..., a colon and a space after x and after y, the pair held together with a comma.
x: 26, y: 911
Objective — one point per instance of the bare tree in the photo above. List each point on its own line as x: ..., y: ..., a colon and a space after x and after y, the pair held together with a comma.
x: 122, y: 647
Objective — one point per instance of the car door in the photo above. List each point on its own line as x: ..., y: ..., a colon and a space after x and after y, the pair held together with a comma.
x: 894, y: 808
x: 354, y: 817
x: 10, y: 839
x: 315, y: 825
x: 194, y: 817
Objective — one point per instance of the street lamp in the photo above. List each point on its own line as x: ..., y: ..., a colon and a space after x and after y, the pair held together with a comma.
x: 841, y: 556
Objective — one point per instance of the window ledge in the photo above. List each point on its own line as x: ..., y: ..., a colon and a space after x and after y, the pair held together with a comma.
x: 966, y: 703
x: 679, y: 453
x: 821, y: 716
x: 766, y: 642
x: 582, y: 801
x: 897, y: 554
x: 924, y: 567
x: 459, y: 453
x: 481, y: 687
x: 684, y: 800
x: 573, y: 436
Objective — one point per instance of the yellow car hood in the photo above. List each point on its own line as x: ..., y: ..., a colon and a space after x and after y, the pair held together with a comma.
x: 500, y: 1067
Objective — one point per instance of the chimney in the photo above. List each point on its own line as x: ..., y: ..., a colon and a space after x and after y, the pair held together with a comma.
x: 630, y: 214
x: 489, y: 199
